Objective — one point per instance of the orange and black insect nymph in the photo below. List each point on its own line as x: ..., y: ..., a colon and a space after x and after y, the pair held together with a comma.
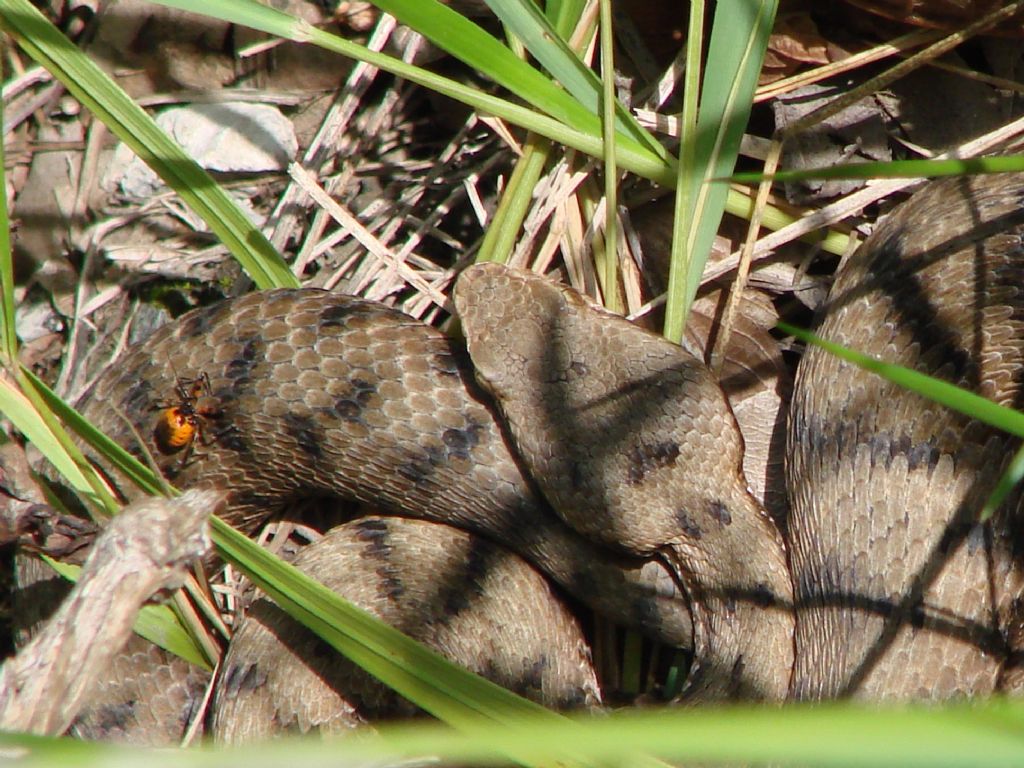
x: 182, y: 419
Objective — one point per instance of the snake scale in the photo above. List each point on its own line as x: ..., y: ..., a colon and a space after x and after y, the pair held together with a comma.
x: 624, y: 486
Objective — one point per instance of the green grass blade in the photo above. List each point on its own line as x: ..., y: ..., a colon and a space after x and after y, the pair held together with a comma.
x: 543, y: 40
x: 688, y: 174
x: 502, y: 232
x: 941, y: 392
x: 26, y: 419
x: 825, y: 735
x: 898, y: 169
x: 448, y: 30
x: 739, y: 38
x: 608, y: 273
x: 564, y: 14
x: 989, y: 735
x: 8, y: 335
x: 503, y: 229
x: 27, y: 408
x: 629, y: 156
x: 130, y: 123
x: 156, y: 623
x: 1007, y: 482
x: 556, y: 114
x: 138, y: 473
x: 538, y: 35
x: 487, y: 55
x: 160, y: 625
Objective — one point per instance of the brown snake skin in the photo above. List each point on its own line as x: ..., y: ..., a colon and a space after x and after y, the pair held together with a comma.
x: 883, y: 586
x: 900, y: 593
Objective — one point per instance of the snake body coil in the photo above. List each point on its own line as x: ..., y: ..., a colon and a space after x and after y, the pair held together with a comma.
x: 901, y: 592
x: 883, y: 583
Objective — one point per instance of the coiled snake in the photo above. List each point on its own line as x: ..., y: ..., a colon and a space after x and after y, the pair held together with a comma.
x: 883, y: 584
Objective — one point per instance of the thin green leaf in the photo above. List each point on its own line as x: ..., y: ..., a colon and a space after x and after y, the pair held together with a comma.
x: 156, y: 623
x: 941, y: 392
x: 824, y: 735
x: 688, y: 173
x: 739, y: 38
x: 502, y: 231
x: 899, y: 169
x: 130, y: 123
x: 8, y: 336
x: 1007, y: 482
x: 469, y: 43
x: 989, y: 735
x: 610, y: 253
x: 26, y: 419
x: 25, y: 406
x: 541, y: 39
x: 137, y: 472
x: 160, y: 625
x: 581, y: 129
x: 629, y: 156
x: 830, y: 241
x: 564, y: 14
x: 449, y: 31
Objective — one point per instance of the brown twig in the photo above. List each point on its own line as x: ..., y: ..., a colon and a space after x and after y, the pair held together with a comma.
x: 144, y: 550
